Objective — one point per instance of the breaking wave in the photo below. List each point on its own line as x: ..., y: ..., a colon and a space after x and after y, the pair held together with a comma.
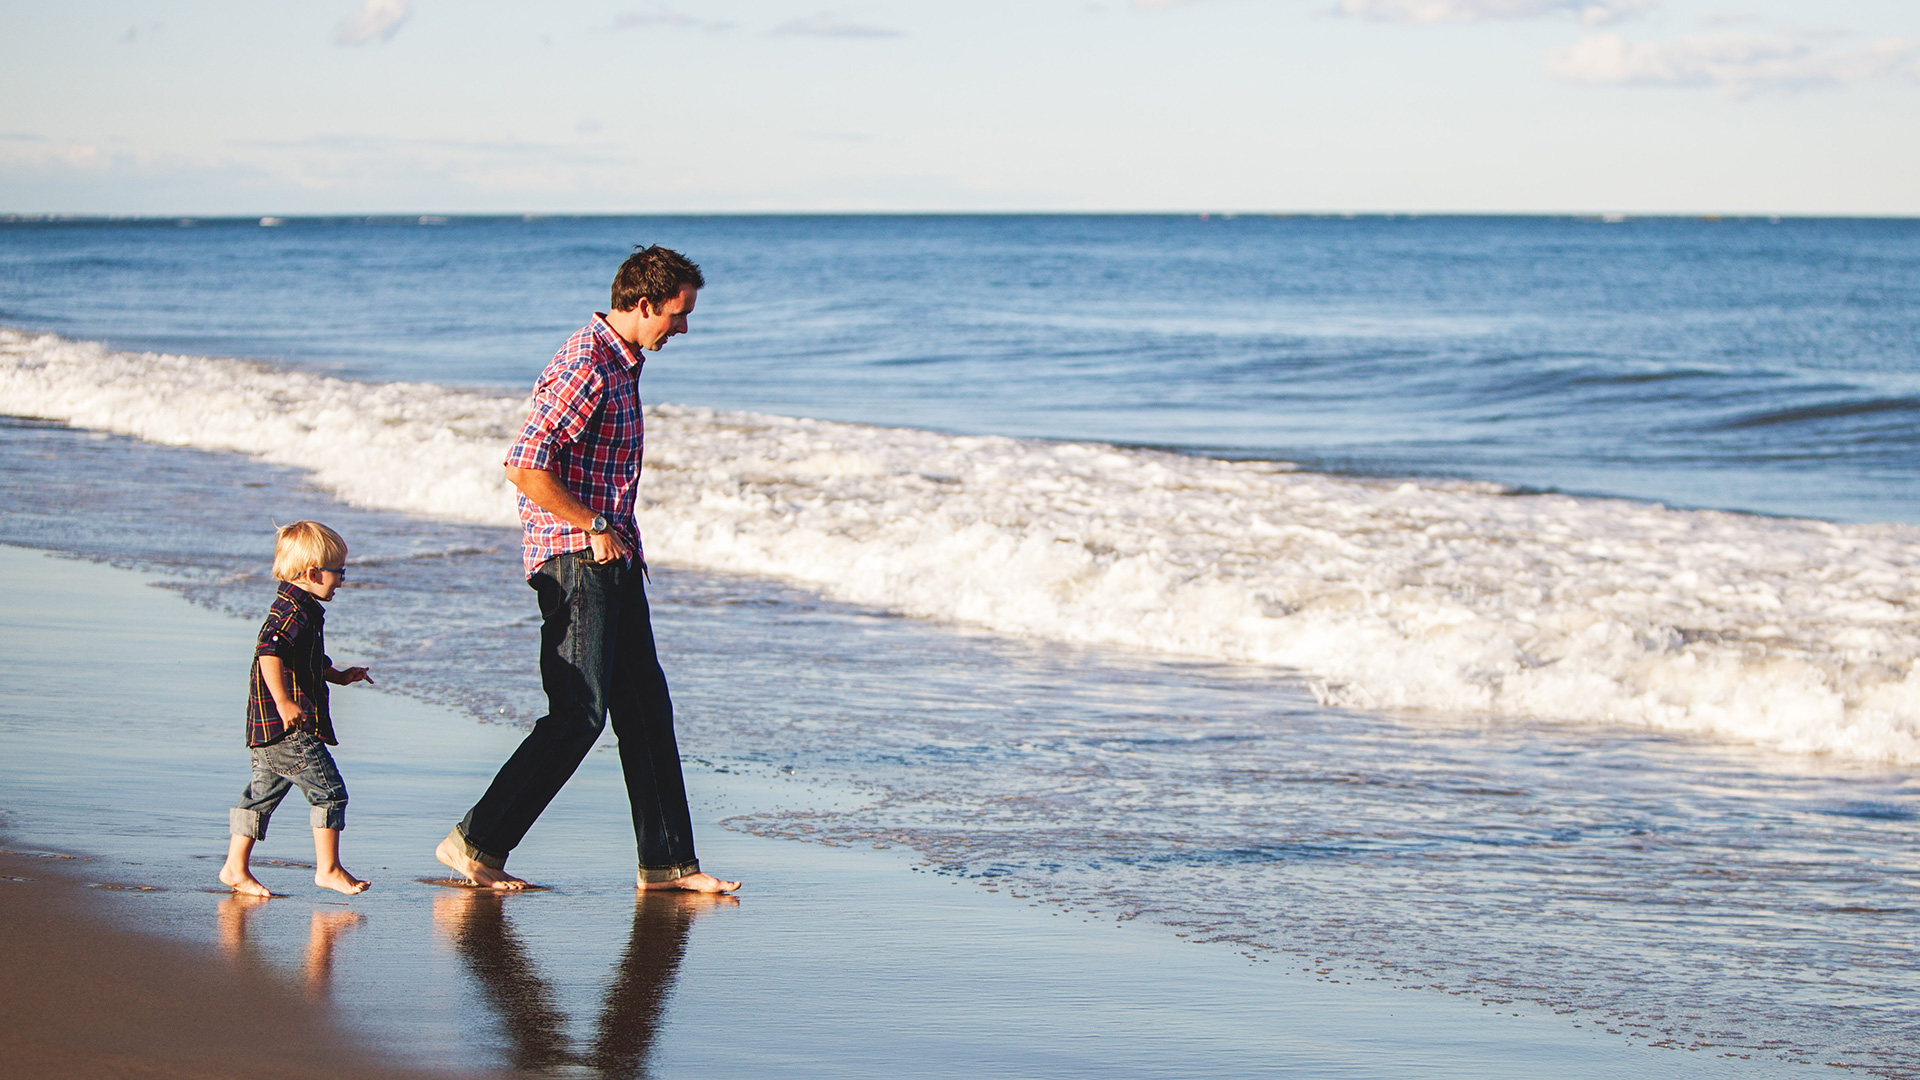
x: 1799, y: 635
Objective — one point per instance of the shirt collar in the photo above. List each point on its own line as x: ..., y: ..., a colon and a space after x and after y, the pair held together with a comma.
x: 624, y: 352
x: 299, y: 596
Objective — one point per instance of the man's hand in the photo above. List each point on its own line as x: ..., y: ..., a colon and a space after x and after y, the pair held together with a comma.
x: 607, y: 547
x: 349, y: 677
x: 549, y: 494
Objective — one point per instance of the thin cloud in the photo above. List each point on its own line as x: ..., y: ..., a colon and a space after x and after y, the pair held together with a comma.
x: 1589, y: 12
x: 377, y: 20
x: 828, y: 24
x: 672, y: 20
x: 1737, y: 62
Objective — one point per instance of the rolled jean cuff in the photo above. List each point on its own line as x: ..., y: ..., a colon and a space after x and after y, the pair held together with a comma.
x: 327, y: 817
x: 652, y: 876
x: 484, y: 858
x: 248, y: 823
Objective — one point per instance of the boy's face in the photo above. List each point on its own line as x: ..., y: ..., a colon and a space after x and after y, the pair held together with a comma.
x: 321, y: 581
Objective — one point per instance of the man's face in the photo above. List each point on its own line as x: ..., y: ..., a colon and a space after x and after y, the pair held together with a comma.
x: 657, y: 324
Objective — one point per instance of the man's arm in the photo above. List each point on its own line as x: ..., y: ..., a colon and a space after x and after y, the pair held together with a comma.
x: 549, y: 494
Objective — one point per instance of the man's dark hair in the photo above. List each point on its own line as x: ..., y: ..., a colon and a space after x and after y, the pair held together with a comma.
x: 654, y: 274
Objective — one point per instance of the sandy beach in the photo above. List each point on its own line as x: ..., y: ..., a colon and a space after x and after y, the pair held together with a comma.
x: 833, y: 961
x: 81, y: 998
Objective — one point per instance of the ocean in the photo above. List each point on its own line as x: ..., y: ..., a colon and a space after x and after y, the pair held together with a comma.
x: 1522, y: 607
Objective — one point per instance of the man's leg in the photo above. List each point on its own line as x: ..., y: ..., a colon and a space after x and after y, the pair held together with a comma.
x: 649, y: 754
x: 576, y: 601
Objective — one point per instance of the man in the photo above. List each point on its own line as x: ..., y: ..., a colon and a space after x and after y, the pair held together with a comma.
x: 577, y: 467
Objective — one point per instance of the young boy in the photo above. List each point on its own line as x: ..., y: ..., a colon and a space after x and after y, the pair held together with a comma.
x: 288, y: 727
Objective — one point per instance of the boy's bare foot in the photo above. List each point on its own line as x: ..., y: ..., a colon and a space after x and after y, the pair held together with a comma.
x: 454, y: 857
x: 340, y: 881
x: 702, y: 882
x: 241, y: 880
x: 232, y: 916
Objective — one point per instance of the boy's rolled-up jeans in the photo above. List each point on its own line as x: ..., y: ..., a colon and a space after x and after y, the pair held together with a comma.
x: 299, y: 759
x: 597, y: 658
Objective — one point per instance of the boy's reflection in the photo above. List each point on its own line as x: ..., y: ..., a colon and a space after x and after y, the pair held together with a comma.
x: 476, y: 923
x: 326, y: 926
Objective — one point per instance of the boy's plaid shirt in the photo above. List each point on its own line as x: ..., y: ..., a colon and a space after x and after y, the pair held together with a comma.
x: 295, y: 631
x: 586, y: 428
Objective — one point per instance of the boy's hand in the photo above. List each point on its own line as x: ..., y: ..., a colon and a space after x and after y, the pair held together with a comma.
x: 352, y: 675
x: 290, y: 715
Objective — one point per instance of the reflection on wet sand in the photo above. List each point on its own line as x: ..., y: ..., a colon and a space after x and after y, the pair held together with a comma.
x: 235, y: 912
x: 475, y: 922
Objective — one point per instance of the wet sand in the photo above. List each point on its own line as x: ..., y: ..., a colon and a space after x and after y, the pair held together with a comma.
x: 83, y: 999
x: 120, y: 741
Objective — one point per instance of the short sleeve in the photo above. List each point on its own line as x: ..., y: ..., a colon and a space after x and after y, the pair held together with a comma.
x: 278, y: 633
x: 564, y: 404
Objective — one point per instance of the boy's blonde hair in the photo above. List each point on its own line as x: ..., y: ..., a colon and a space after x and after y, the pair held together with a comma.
x: 304, y: 545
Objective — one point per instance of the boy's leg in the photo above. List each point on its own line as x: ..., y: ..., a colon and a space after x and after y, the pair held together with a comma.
x: 327, y: 871
x: 319, y: 778
x: 247, y: 821
x: 650, y: 755
x: 575, y: 600
x: 235, y: 873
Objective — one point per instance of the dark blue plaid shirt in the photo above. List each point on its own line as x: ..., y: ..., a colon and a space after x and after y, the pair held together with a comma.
x: 295, y: 631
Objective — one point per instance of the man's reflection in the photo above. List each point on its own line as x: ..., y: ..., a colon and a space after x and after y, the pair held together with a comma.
x: 475, y: 922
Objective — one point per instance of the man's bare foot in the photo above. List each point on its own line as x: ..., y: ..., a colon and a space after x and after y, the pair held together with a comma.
x: 241, y: 880
x: 701, y: 882
x: 340, y: 881
x: 454, y: 857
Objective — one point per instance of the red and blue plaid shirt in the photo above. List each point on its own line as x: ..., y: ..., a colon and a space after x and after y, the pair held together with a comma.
x: 296, y: 632
x: 584, y: 427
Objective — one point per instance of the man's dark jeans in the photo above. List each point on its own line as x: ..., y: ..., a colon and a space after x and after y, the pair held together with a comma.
x: 596, y: 657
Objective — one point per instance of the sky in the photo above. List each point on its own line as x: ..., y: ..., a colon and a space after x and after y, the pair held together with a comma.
x: 204, y: 107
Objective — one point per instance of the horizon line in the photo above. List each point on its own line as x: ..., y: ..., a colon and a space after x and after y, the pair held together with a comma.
x: 431, y: 217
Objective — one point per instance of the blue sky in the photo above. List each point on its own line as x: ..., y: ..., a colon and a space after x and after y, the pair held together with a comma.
x: 432, y: 106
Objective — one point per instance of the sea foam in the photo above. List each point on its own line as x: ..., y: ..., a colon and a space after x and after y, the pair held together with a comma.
x: 1799, y: 635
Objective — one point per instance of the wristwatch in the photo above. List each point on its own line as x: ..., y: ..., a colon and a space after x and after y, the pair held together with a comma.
x: 598, y: 525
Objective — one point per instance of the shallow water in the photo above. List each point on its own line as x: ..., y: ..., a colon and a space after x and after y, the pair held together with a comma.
x: 1678, y: 892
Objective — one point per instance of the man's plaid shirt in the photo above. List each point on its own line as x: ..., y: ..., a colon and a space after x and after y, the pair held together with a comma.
x: 295, y: 631
x: 584, y: 427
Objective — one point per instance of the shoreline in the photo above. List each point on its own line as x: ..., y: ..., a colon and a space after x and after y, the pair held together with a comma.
x: 833, y: 962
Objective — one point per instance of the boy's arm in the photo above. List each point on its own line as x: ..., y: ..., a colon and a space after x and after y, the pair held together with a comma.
x: 348, y: 677
x: 274, y: 673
